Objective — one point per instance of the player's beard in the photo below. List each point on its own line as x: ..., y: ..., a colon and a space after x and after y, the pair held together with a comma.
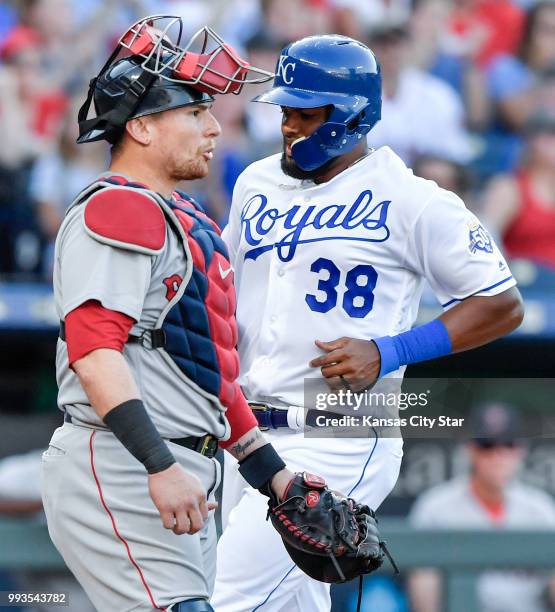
x: 189, y: 170
x: 290, y: 168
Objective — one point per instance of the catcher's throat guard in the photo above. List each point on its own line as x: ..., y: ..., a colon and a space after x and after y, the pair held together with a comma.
x: 151, y: 56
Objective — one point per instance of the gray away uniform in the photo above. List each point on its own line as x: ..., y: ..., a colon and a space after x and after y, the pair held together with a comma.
x: 100, y: 515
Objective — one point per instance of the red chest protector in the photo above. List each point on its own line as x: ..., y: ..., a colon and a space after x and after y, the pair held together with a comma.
x: 200, y: 327
x: 197, y: 330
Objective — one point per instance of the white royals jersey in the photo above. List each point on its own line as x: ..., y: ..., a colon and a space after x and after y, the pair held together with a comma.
x: 344, y: 258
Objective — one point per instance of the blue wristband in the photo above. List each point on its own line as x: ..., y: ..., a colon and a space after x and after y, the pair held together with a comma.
x: 425, y: 342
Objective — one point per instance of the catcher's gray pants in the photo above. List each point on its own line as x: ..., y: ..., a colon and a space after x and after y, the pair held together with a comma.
x: 107, y: 529
x: 254, y: 572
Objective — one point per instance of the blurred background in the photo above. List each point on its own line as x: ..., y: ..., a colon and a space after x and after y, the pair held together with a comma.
x: 469, y: 101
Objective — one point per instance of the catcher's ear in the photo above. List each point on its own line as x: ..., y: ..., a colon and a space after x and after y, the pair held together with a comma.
x: 140, y: 130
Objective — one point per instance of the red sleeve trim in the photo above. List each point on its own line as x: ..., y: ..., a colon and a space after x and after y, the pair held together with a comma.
x: 91, y: 326
x: 126, y: 216
x: 241, y: 419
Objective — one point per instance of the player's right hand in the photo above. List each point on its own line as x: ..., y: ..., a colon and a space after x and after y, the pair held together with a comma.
x: 180, y: 499
x: 348, y: 362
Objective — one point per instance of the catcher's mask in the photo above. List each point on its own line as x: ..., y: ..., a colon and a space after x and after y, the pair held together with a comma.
x: 328, y: 70
x: 150, y: 72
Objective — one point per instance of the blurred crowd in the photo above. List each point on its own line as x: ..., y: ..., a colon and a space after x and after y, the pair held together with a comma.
x: 468, y: 101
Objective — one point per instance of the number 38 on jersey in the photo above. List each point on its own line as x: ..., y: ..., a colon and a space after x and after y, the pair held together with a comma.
x: 353, y: 291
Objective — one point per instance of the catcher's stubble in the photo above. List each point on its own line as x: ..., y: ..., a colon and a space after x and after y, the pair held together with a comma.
x: 184, y: 141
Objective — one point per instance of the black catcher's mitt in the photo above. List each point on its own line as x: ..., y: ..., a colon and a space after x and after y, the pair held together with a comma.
x: 330, y: 537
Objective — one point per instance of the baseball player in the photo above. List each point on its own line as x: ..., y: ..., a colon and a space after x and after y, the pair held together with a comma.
x: 330, y: 242
x: 146, y: 362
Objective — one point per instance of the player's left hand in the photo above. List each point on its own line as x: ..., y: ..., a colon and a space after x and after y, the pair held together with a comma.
x: 330, y: 537
x: 348, y: 363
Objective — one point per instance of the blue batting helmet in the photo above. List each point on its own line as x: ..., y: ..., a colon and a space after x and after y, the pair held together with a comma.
x: 328, y: 70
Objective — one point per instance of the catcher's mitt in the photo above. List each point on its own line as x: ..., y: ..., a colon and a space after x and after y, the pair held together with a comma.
x: 330, y: 537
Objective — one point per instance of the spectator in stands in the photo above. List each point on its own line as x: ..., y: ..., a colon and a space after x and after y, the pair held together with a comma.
x: 29, y: 111
x: 521, y: 207
x: 517, y: 85
x: 514, y: 80
x: 483, y: 29
x: 447, y: 174
x: 286, y: 20
x: 20, y: 485
x: 430, y: 51
x: 420, y: 113
x: 40, y: 97
x: 8, y: 17
x: 32, y: 108
x: 262, y: 121
x: 490, y: 498
x: 67, y: 49
x: 46, y: 55
x: 58, y: 176
x: 354, y: 18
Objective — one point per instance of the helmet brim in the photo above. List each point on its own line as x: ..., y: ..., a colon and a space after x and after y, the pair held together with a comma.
x: 162, y: 97
x: 302, y: 98
x: 159, y: 98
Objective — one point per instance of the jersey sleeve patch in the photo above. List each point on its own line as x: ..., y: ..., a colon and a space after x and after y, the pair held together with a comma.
x: 126, y: 218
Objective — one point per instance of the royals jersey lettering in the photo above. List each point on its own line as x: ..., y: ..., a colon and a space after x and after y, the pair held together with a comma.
x: 344, y: 258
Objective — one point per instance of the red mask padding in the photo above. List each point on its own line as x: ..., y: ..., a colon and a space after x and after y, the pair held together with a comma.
x: 143, y: 43
x: 220, y: 67
x: 216, y: 69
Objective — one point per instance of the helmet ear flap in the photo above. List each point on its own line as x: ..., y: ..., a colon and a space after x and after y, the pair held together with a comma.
x: 331, y: 139
x: 354, y: 123
x: 360, y: 123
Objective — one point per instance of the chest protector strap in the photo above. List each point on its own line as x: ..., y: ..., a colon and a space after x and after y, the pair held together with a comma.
x: 196, y: 332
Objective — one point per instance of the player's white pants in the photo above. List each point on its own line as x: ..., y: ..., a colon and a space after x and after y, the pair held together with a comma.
x: 254, y: 572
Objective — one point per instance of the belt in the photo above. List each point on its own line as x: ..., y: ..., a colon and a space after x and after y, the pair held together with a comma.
x: 294, y: 417
x: 157, y: 337
x: 269, y: 417
x: 207, y: 445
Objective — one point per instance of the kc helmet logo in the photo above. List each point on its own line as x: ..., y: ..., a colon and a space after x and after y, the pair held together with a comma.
x: 286, y: 67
